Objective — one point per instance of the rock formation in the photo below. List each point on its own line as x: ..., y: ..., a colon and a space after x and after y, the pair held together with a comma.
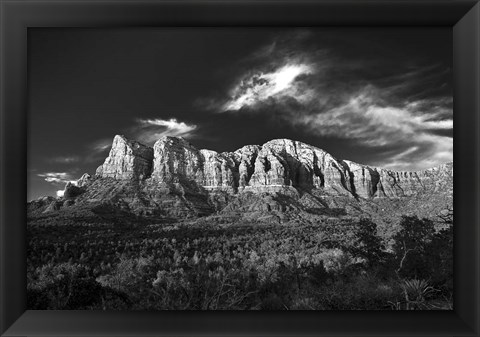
x: 84, y: 180
x: 273, y: 166
x: 127, y: 160
x: 175, y: 179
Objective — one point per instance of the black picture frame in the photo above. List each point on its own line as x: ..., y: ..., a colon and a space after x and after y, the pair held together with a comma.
x: 17, y: 16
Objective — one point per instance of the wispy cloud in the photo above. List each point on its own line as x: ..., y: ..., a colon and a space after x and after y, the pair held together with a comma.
x: 66, y: 159
x: 146, y: 131
x: 101, y: 145
x: 57, y: 177
x: 150, y: 130
x: 263, y: 86
x: 367, y: 119
x: 97, y: 150
x: 409, y: 129
x: 404, y: 111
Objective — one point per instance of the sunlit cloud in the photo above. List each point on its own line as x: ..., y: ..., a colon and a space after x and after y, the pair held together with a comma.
x: 363, y: 120
x: 57, y: 177
x: 366, y: 119
x: 400, y: 112
x: 60, y: 193
x: 262, y: 86
x: 150, y: 130
x: 433, y: 151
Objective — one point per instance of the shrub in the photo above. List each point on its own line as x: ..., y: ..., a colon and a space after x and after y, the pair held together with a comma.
x: 127, y: 274
x: 417, y: 290
x: 334, y: 260
x: 361, y: 292
x: 62, y: 286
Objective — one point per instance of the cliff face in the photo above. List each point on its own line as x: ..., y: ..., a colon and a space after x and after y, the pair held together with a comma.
x: 177, y: 161
x: 127, y: 160
x: 274, y: 166
x: 281, y: 180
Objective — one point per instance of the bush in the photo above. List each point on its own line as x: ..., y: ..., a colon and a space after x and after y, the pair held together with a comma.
x: 127, y: 274
x: 361, y: 292
x: 63, y: 286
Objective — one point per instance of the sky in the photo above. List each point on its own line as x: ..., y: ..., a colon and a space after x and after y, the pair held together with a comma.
x: 376, y: 96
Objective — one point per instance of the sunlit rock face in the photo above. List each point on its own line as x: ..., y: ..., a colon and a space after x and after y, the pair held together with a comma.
x: 174, y: 179
x: 400, y: 184
x: 176, y: 160
x: 277, y: 165
x: 127, y: 160
x: 219, y: 171
x: 245, y: 159
x: 84, y: 180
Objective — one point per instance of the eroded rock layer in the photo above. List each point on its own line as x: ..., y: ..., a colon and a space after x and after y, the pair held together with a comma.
x: 127, y: 160
x: 174, y: 163
x: 280, y: 181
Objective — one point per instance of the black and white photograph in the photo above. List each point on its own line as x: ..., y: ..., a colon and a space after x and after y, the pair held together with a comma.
x: 240, y: 168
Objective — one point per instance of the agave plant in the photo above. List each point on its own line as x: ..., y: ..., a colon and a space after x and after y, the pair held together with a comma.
x: 416, y: 293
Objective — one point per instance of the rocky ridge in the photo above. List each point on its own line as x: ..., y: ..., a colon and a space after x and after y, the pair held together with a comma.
x: 276, y: 165
x: 277, y: 180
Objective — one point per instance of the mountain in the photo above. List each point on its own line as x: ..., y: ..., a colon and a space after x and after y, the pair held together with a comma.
x: 278, y: 181
x: 275, y: 166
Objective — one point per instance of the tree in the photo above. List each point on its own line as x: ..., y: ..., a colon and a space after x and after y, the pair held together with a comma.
x: 411, y: 247
x: 368, y: 244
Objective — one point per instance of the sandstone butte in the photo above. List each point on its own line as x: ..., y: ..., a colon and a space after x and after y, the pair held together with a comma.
x: 175, y: 179
x: 273, y: 166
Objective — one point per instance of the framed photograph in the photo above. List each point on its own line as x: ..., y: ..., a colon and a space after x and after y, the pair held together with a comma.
x: 239, y: 168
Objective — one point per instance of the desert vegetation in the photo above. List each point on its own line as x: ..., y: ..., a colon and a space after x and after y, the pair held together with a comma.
x: 134, y: 264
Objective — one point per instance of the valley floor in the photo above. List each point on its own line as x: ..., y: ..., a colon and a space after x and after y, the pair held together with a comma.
x: 93, y: 262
